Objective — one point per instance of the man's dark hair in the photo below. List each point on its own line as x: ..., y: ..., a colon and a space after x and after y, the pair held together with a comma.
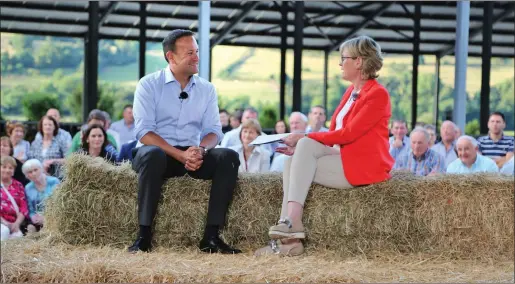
x: 499, y: 114
x: 223, y: 110
x: 171, y: 38
x: 97, y: 114
x: 127, y: 106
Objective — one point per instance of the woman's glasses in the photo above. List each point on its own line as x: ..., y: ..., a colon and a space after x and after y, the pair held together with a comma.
x: 347, y: 57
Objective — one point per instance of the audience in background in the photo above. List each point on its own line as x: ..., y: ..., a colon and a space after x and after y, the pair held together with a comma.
x: 431, y: 129
x: 50, y: 151
x: 126, y: 152
x: 232, y: 138
x: 496, y: 145
x: 298, y: 124
x: 16, y: 132
x: 317, y: 118
x: 469, y: 160
x: 111, y: 132
x: 224, y: 120
x: 420, y: 160
x: 62, y: 135
x: 447, y: 147
x: 125, y: 126
x: 95, y: 144
x: 6, y: 150
x: 13, y: 206
x: 253, y: 159
x: 235, y: 119
x: 40, y: 187
x: 96, y: 116
x: 399, y: 142
x: 281, y: 127
x: 508, y: 168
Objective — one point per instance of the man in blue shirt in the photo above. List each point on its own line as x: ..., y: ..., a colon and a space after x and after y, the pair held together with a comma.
x: 399, y: 142
x: 125, y: 126
x: 178, y: 126
x: 469, y: 160
x: 420, y: 160
x: 447, y: 147
x: 496, y: 145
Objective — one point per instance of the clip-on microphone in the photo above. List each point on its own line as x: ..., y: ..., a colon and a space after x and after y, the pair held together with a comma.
x: 183, y: 96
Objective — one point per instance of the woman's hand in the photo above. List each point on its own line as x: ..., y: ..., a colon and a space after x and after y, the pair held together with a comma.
x: 288, y: 151
x: 292, y: 139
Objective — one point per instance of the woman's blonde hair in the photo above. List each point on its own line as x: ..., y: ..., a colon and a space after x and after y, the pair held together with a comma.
x: 8, y: 160
x: 251, y: 123
x: 11, y: 125
x: 370, y: 52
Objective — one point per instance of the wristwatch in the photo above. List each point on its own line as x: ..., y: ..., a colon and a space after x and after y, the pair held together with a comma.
x: 204, y: 150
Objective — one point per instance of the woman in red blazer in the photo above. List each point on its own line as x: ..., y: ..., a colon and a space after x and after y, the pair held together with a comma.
x: 354, y: 152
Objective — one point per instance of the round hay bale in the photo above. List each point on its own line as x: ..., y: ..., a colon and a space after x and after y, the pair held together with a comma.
x: 459, y: 216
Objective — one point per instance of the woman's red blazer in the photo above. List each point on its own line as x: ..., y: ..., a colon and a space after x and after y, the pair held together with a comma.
x: 364, y: 136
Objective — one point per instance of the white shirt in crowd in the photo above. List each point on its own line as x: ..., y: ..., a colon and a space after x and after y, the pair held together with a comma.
x: 258, y: 162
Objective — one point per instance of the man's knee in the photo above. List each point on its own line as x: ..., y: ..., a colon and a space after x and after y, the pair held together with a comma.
x: 150, y: 156
x: 226, y: 156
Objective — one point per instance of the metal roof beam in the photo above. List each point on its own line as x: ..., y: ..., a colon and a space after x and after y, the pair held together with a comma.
x: 473, y: 33
x: 249, y: 6
x: 109, y: 10
x: 362, y: 25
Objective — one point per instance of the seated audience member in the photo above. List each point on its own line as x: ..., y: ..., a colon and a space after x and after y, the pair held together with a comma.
x: 224, y: 119
x: 16, y: 132
x: 125, y: 126
x: 95, y: 144
x: 508, y: 168
x: 235, y: 119
x: 95, y: 117
x: 62, y: 135
x: 281, y: 127
x: 469, y: 160
x: 399, y: 142
x: 252, y: 159
x: 431, y: 129
x: 40, y: 187
x: 316, y: 118
x: 232, y: 138
x: 421, y: 160
x: 496, y: 145
x: 13, y: 206
x: 6, y: 151
x: 110, y: 131
x: 447, y: 147
x: 49, y: 150
x: 298, y: 124
x: 126, y: 151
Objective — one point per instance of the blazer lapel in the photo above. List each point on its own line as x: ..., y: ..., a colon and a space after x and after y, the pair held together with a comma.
x: 362, y: 93
x: 346, y: 96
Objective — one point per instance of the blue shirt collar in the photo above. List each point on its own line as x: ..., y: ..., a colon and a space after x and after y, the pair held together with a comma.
x: 170, y: 78
x: 423, y: 157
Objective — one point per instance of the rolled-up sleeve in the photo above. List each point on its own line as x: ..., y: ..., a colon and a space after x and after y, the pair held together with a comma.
x: 144, y: 108
x: 211, y: 119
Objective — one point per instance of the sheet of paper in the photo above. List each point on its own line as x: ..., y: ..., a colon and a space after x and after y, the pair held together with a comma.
x: 267, y: 139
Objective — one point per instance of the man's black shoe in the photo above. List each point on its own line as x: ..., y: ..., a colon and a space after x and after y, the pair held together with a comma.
x: 215, y: 244
x: 140, y: 244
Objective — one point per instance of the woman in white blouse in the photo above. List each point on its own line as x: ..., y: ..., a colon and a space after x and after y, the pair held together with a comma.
x: 252, y: 159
